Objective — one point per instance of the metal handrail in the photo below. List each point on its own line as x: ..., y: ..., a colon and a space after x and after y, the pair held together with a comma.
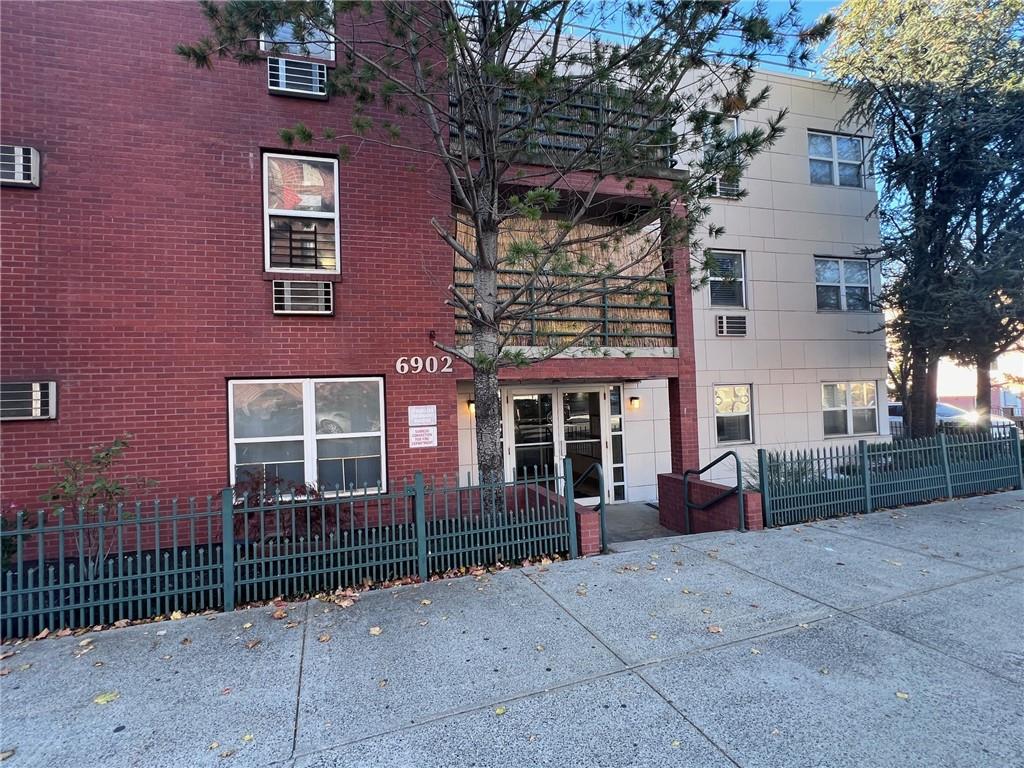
x: 599, y: 470
x: 736, y: 489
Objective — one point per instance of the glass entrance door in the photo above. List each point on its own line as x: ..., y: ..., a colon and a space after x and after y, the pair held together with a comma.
x: 543, y: 426
x: 533, y: 429
x: 583, y: 438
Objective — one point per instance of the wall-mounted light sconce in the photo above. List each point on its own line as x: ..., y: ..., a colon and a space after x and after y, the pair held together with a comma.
x: 634, y: 403
x: 471, y: 404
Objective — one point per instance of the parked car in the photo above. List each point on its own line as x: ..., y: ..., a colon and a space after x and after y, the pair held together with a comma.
x: 948, y: 416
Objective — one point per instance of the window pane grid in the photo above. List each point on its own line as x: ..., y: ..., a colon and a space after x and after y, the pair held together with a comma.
x: 726, y: 279
x: 835, y: 160
x: 843, y: 284
x: 300, y: 213
x: 849, y: 408
x: 733, y: 413
x: 325, y: 433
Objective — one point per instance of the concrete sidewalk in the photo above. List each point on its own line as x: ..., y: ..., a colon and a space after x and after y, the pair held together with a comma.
x: 891, y: 639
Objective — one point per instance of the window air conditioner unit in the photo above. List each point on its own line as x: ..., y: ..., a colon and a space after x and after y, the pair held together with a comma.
x: 297, y: 78
x: 21, y: 400
x: 19, y: 166
x: 300, y: 297
x: 731, y: 325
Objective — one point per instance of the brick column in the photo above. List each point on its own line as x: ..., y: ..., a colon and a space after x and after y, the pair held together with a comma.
x: 682, y: 390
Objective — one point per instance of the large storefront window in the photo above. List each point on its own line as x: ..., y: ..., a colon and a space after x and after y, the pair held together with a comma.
x: 289, y: 433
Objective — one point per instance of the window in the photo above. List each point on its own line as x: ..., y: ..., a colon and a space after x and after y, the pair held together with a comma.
x: 843, y: 285
x: 731, y: 127
x: 21, y: 400
x: 618, y: 460
x: 300, y: 213
x: 849, y: 408
x: 316, y: 45
x: 725, y: 270
x: 835, y: 160
x: 329, y: 433
x: 732, y: 413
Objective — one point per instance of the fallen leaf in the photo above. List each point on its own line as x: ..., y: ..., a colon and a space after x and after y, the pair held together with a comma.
x: 43, y: 635
x: 500, y: 711
x: 823, y: 671
x: 252, y: 644
x: 376, y: 631
x: 5, y: 671
x: 227, y: 753
x: 755, y: 652
x: 67, y: 631
x: 902, y: 695
x: 106, y: 698
x: 676, y: 743
x: 324, y: 638
x: 165, y: 658
x: 423, y: 622
x: 248, y: 737
x: 426, y: 602
x: 706, y: 611
x: 85, y: 642
x: 186, y: 641
x: 280, y: 613
x: 653, y: 635
x: 539, y: 647
x: 25, y: 667
x: 715, y: 629
x: 97, y: 663
x: 214, y: 745
x: 247, y: 625
x: 383, y: 683
x: 291, y: 625
x: 225, y: 691
x: 6, y: 655
x: 177, y: 615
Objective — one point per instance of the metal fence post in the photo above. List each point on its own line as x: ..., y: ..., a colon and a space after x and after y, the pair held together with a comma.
x: 869, y: 506
x: 947, y: 475
x: 570, y: 506
x: 740, y: 498
x: 420, y: 502
x: 762, y: 477
x: 1015, y: 438
x: 227, y: 546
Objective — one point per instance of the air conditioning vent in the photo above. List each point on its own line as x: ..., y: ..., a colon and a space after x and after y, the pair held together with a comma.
x: 297, y: 78
x: 726, y: 189
x: 19, y: 166
x: 28, y: 400
x: 295, y: 297
x: 731, y: 325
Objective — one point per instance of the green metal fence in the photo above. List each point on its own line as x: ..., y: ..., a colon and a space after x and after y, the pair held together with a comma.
x: 76, y: 569
x: 799, y: 486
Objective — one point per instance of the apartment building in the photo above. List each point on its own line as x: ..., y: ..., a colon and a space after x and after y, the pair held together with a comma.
x: 174, y: 270
x: 788, y: 344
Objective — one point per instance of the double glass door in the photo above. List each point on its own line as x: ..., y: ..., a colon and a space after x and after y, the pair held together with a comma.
x: 544, y: 425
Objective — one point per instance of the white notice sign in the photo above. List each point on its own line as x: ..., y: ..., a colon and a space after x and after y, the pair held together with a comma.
x: 422, y: 437
x: 422, y: 415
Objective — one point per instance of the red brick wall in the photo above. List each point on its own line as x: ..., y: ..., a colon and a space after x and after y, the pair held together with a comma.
x: 723, y: 516
x: 134, y: 275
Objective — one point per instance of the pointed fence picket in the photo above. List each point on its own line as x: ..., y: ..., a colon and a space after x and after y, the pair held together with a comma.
x: 71, y: 569
x: 800, y: 486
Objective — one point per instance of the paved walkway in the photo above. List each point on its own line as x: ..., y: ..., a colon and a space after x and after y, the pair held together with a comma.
x: 887, y: 640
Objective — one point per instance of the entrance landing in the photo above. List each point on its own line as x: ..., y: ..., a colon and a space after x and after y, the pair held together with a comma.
x: 635, y: 521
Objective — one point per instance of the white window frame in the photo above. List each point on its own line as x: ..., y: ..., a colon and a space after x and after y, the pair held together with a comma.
x: 268, y: 212
x: 834, y: 159
x: 848, y: 408
x: 266, y: 44
x: 310, y: 437
x: 742, y: 279
x: 842, y: 262
x: 718, y: 179
x: 749, y: 414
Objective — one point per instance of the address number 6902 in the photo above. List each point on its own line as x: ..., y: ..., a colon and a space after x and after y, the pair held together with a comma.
x: 430, y: 364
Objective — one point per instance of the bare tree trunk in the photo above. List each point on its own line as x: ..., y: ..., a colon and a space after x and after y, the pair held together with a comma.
x: 983, y: 397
